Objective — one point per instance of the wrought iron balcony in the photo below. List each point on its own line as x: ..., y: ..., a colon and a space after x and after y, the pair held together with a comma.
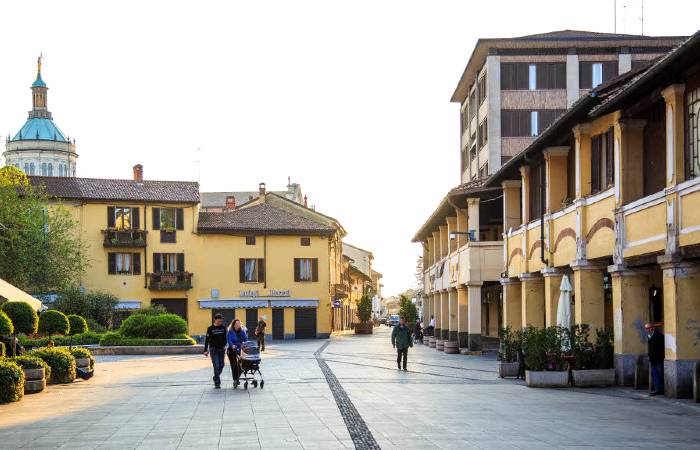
x: 170, y: 281
x: 124, y: 238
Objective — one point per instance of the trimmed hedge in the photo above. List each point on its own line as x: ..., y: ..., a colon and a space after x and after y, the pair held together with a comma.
x: 82, y: 352
x: 61, y: 361
x: 32, y: 362
x: 11, y: 381
x: 114, y: 339
x: 78, y: 324
x: 6, y: 327
x: 87, y: 338
x: 22, y: 315
x: 160, y: 326
x: 53, y: 322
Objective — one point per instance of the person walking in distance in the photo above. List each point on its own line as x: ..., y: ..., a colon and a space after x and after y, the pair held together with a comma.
x: 401, y: 341
x: 656, y: 351
x: 215, y: 346
x: 260, y: 332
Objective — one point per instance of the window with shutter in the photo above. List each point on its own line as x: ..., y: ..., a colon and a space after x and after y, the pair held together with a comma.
x: 595, y: 163
x: 314, y: 269
x: 111, y: 263
x: 110, y: 217
x: 251, y: 270
x: 585, y: 72
x: 297, y: 275
x: 157, y: 266
x: 261, y: 270
x: 609, y: 158
x: 156, y: 218
x: 180, y: 219
x: 136, y: 263
x: 180, y: 262
x: 135, y: 218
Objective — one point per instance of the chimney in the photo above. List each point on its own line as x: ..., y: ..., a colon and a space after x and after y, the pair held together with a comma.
x: 306, y: 201
x: 230, y: 203
x: 261, y: 186
x: 138, y: 173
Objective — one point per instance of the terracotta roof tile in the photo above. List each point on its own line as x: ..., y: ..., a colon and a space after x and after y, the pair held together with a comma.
x: 263, y: 218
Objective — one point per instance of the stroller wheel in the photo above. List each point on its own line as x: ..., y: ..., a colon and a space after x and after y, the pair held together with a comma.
x: 262, y: 384
x: 245, y: 385
x: 255, y: 383
x: 235, y: 384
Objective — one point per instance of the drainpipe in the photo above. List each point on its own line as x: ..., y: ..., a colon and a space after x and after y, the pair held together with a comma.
x: 543, y: 196
x: 265, y: 260
x: 145, y: 249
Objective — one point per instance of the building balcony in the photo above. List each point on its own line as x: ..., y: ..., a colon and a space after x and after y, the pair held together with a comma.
x: 339, y: 290
x: 170, y: 281
x: 124, y: 238
x: 476, y: 261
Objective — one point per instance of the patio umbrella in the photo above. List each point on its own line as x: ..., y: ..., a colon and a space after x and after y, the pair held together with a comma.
x: 564, y: 306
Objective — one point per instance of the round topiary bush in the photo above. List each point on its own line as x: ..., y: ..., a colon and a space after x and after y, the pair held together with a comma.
x: 32, y: 362
x: 11, y: 381
x: 82, y: 352
x: 61, y: 361
x: 53, y: 322
x: 135, y: 325
x: 77, y: 323
x: 6, y: 327
x: 22, y: 315
x: 161, y: 326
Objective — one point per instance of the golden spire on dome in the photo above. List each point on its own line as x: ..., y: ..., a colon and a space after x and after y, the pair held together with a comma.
x: 38, y: 64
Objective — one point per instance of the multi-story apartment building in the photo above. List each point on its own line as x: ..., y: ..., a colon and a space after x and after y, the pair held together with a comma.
x: 510, y: 92
x: 609, y: 197
x: 149, y: 243
x: 513, y: 88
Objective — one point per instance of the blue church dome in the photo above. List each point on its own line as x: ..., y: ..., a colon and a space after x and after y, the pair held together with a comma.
x: 38, y: 82
x: 39, y: 129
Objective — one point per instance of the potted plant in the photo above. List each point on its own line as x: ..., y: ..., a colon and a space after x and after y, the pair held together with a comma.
x: 510, y: 347
x: 542, y: 349
x: 60, y: 360
x: 83, y: 358
x: 11, y: 381
x: 364, y: 313
x: 593, y: 363
x: 36, y: 372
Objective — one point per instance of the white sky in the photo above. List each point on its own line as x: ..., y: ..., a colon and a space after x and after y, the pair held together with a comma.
x: 350, y: 99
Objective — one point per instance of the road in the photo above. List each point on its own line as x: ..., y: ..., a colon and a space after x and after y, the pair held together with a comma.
x: 342, y: 393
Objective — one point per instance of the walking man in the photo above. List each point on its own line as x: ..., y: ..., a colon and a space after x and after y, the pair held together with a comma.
x: 215, y: 346
x: 655, y: 348
x: 401, y: 340
x: 260, y: 332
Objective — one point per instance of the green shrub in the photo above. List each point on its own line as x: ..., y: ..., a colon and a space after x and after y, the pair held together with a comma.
x: 161, y: 326
x: 11, y: 381
x: 118, y: 340
x: 96, y: 305
x: 61, y: 361
x: 23, y: 316
x: 2, y: 349
x: 153, y: 310
x: 542, y: 348
x: 604, y: 349
x: 6, y: 327
x: 87, y: 338
x: 95, y: 326
x: 78, y: 324
x: 407, y: 309
x: 53, y: 322
x: 32, y: 362
x: 364, y: 309
x: 511, y: 343
x: 82, y: 352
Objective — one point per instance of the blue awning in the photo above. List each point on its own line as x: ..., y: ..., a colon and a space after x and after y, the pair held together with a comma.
x: 232, y: 303
x: 128, y: 304
x: 294, y: 303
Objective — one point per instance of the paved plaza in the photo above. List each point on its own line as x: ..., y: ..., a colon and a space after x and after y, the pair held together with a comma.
x: 443, y: 401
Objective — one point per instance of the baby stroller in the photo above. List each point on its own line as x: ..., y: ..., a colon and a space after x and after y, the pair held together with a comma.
x: 249, y: 361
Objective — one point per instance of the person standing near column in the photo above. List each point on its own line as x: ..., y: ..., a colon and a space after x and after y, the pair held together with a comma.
x: 215, y: 346
x: 656, y: 350
x: 401, y: 341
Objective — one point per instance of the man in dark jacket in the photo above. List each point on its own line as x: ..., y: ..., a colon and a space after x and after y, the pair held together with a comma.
x: 401, y: 340
x: 260, y: 332
x: 215, y: 346
x: 656, y: 350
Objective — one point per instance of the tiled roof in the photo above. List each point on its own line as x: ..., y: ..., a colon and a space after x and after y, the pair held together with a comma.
x: 581, y: 34
x: 262, y: 218
x: 123, y: 190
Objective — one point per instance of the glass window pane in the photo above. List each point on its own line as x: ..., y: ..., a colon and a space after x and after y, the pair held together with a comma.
x: 167, y: 218
x: 532, y: 84
x: 533, y: 123
x: 597, y: 74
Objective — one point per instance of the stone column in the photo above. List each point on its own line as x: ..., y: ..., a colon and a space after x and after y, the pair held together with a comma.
x: 525, y: 197
x: 512, y: 301
x: 589, y: 304
x: 462, y: 316
x: 453, y: 314
x: 426, y: 312
x: 552, y: 281
x: 681, y: 326
x: 444, y: 241
x: 511, y: 204
x: 532, y: 290
x: 675, y: 134
x: 555, y: 158
x: 445, y: 313
x: 473, y: 216
x: 451, y: 228
x: 474, y: 313
x: 582, y: 136
x: 630, y: 289
x: 437, y: 305
x: 629, y: 138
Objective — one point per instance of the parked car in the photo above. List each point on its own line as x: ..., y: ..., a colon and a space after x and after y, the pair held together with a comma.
x: 382, y: 320
x: 393, y: 320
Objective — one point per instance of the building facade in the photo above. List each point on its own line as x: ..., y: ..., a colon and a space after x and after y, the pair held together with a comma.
x: 149, y: 243
x: 40, y: 147
x: 609, y: 197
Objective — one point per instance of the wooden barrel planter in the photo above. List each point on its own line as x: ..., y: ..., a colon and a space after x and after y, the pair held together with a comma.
x: 34, y: 380
x: 431, y: 341
x: 364, y: 328
x: 439, y: 345
x: 451, y: 347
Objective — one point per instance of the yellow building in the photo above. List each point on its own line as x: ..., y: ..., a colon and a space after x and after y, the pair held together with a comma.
x: 148, y: 243
x: 609, y: 196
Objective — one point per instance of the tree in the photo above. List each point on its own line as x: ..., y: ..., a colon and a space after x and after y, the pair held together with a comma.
x: 23, y: 317
x: 407, y: 309
x: 40, y: 247
x: 95, y: 305
x: 364, y: 308
x: 53, y: 322
x: 77, y: 324
x: 6, y: 328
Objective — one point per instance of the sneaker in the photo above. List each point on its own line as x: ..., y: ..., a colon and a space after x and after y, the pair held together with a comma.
x: 405, y: 369
x: 217, y: 386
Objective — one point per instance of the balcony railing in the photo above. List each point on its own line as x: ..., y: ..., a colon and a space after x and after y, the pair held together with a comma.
x: 170, y: 281
x: 124, y: 238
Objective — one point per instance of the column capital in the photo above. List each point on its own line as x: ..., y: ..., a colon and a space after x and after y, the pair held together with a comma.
x: 474, y: 284
x: 552, y: 152
x: 622, y: 270
x: 531, y: 276
x: 473, y: 200
x: 628, y: 124
x: 524, y: 170
x: 672, y: 91
x: 512, y: 280
x: 584, y: 264
x: 582, y: 129
x: 505, y: 184
x: 461, y: 287
x: 551, y: 272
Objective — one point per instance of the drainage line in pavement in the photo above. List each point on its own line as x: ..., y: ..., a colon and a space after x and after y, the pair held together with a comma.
x: 360, y: 434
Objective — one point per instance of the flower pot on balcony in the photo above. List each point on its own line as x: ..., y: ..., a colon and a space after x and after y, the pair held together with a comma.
x: 364, y: 328
x: 34, y: 380
x: 508, y: 369
x: 594, y: 377
x: 168, y: 278
x: 551, y: 379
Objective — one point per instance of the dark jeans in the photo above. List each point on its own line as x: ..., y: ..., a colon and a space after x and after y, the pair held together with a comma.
x: 657, y: 377
x: 402, y: 353
x: 233, y: 361
x: 261, y: 342
x: 217, y: 360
